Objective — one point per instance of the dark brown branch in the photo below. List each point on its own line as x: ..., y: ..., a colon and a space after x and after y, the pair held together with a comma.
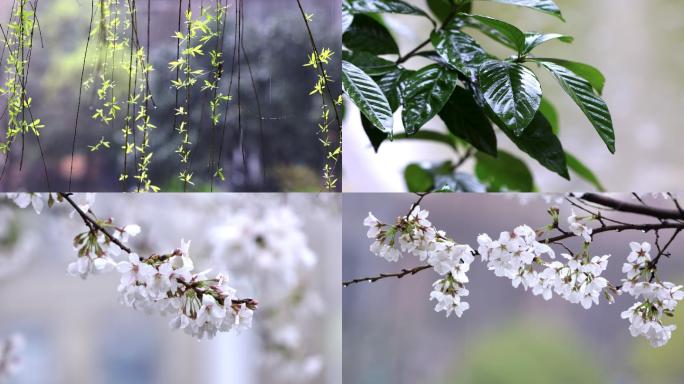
x: 623, y: 206
x: 398, y: 275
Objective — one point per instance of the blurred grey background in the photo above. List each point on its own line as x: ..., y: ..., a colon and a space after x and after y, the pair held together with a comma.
x: 637, y: 44
x: 392, y: 334
x: 277, y: 45
x: 77, y: 331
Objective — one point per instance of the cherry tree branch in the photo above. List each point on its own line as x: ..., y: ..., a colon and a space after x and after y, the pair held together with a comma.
x: 627, y: 207
x: 664, y: 215
x: 94, y: 226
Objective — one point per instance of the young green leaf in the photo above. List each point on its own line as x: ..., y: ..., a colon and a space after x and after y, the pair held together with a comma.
x: 546, y: 6
x: 418, y: 179
x: 583, y: 171
x: 424, y: 94
x: 510, y: 33
x: 503, y: 173
x: 382, y: 6
x: 534, y: 39
x: 458, y: 48
x: 367, y: 96
x: 369, y: 63
x: 585, y: 71
x: 465, y: 119
x: 512, y: 91
x: 583, y: 94
x: 368, y: 35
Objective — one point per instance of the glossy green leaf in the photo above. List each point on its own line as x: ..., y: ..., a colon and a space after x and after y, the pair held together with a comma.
x: 390, y: 84
x: 424, y: 94
x: 418, y: 179
x: 503, y: 173
x: 489, y: 31
x: 367, y: 96
x: 465, y: 119
x: 512, y: 91
x: 382, y: 6
x: 372, y: 65
x: 443, y: 8
x: 533, y: 40
x: 551, y: 114
x: 585, y: 71
x: 347, y: 18
x: 546, y: 6
x: 510, y: 33
x: 368, y: 35
x: 583, y: 171
x: 541, y: 144
x: 583, y: 94
x: 458, y: 48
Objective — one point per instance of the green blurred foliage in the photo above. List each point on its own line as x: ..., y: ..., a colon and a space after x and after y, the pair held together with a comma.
x: 527, y: 352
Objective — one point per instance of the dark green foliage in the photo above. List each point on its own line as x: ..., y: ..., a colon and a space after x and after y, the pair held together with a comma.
x: 480, y: 98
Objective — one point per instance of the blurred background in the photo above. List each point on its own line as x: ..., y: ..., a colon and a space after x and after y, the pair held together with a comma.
x: 635, y: 44
x: 393, y: 335
x: 289, y: 154
x: 77, y: 331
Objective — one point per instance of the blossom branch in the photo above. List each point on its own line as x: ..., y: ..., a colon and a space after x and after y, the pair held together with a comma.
x: 92, y: 224
x: 551, y: 240
x: 531, y: 263
x: 95, y: 227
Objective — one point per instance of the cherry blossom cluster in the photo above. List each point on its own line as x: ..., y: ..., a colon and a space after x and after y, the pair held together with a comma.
x: 415, y: 235
x: 10, y: 360
x: 578, y: 227
x: 166, y: 284
x: 656, y: 298
x: 96, y: 251
x: 519, y: 256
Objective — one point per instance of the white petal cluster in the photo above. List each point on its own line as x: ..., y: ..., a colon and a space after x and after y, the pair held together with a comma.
x: 96, y: 252
x: 166, y: 284
x: 520, y: 257
x: 23, y: 200
x: 10, y: 359
x: 656, y: 298
x: 415, y: 235
x: 578, y: 228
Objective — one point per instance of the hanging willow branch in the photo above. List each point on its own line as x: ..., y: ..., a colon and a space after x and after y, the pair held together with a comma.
x: 319, y: 61
x: 18, y: 35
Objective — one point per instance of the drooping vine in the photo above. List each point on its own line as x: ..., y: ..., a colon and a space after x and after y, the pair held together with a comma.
x: 120, y: 56
x: 17, y: 40
x: 319, y: 61
x: 114, y: 90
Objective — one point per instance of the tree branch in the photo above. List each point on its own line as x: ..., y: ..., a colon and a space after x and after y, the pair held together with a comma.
x: 94, y: 226
x: 618, y: 205
x: 623, y: 206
